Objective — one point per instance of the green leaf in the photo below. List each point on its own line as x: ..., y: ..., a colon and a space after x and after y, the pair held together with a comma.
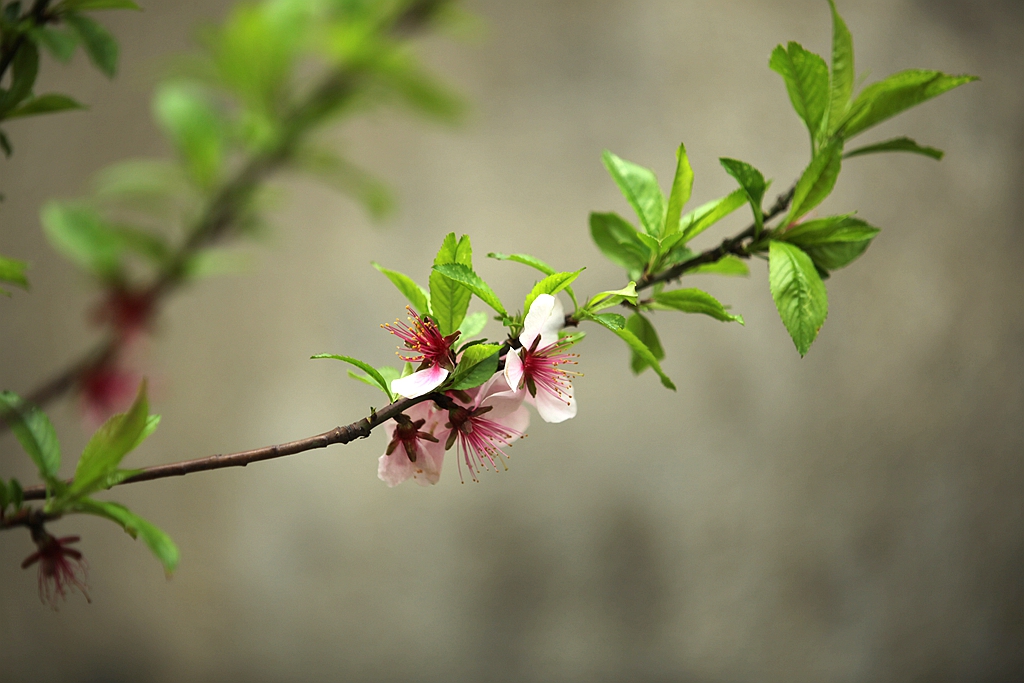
x: 59, y: 42
x: 449, y: 299
x: 832, y: 242
x: 5, y: 498
x: 91, y: 5
x: 108, y: 446
x: 552, y: 284
x: 472, y: 325
x: 5, y: 144
x: 694, y: 301
x: 98, y: 42
x: 798, y: 292
x: 44, y: 104
x: 901, y: 144
x: 418, y: 88
x: 417, y: 296
x: 15, y: 494
x: 727, y: 265
x: 533, y: 262
x: 753, y: 184
x: 682, y: 188
x: 642, y: 328
x: 841, y: 85
x: 806, y: 78
x: 384, y: 385
x: 12, y: 272
x: 157, y: 540
x: 24, y: 69
x: 641, y: 350
x: 817, y: 181
x: 619, y: 241
x: 34, y: 431
x: 348, y: 178
x: 900, y: 91
x: 80, y: 234
x: 389, y: 374
x: 465, y: 275
x: 613, y: 321
x: 477, y: 365
x: 195, y: 128
x: 610, y: 298
x: 703, y: 217
x: 640, y: 188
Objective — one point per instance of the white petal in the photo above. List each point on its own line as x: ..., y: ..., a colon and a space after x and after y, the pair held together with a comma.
x: 513, y: 369
x: 419, y: 383
x: 545, y: 319
x: 553, y: 408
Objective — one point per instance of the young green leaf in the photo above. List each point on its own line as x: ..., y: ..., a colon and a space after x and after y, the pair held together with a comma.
x: 694, y: 301
x: 5, y: 144
x: 753, y: 184
x: 798, y: 292
x: 610, y: 298
x: 389, y: 374
x: 619, y: 241
x: 682, y: 188
x: 727, y: 265
x: 34, y: 431
x: 417, y: 296
x: 59, y: 42
x: 158, y: 541
x: 108, y: 446
x: 465, y: 276
x: 902, y: 144
x: 384, y: 385
x: 832, y: 242
x: 477, y: 365
x: 640, y: 188
x: 44, y: 104
x: 806, y: 78
x: 612, y: 321
x: 472, y: 325
x: 900, y: 91
x: 80, y: 234
x: 92, y: 5
x: 98, y: 42
x: 841, y: 84
x: 642, y: 328
x: 533, y: 262
x: 24, y: 69
x: 817, y: 181
x: 704, y: 216
x: 15, y: 494
x: 449, y: 299
x: 552, y: 284
x: 12, y: 272
x: 641, y: 350
x: 195, y: 128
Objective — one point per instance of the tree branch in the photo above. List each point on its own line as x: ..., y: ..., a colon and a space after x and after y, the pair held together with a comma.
x: 360, y: 429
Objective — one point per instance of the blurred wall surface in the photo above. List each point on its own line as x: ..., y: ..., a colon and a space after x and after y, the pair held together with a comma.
x: 852, y: 516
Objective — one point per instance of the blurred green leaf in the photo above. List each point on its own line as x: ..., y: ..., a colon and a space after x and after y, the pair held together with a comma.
x: 158, y: 541
x: 384, y: 385
x: 12, y: 272
x: 195, y: 127
x: 91, y: 5
x: 806, y: 78
x: 423, y: 93
x: 682, y: 188
x: 841, y: 83
x: 477, y: 365
x: 694, y: 301
x: 348, y: 178
x: 465, y: 276
x: 753, y: 184
x: 902, y: 144
x: 24, y: 69
x: 798, y: 292
x: 900, y: 91
x: 389, y: 374
x: 82, y: 236
x: 34, y: 431
x: 609, y: 298
x: 552, y: 284
x: 59, y: 42
x: 44, y: 104
x: 472, y: 325
x: 640, y: 188
x: 817, y: 181
x: 417, y: 296
x: 704, y: 216
x: 642, y: 328
x: 15, y: 493
x: 5, y: 144
x: 99, y: 44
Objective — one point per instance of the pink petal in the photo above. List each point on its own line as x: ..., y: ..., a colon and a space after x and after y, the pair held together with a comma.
x: 497, y: 394
x: 427, y: 468
x: 545, y: 319
x: 514, y: 369
x: 395, y: 468
x: 419, y: 383
x: 553, y: 408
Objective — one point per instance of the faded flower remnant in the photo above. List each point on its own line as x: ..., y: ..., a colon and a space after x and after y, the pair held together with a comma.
x: 60, y: 567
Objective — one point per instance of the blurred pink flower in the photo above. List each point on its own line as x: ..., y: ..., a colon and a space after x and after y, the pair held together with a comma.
x: 106, y: 390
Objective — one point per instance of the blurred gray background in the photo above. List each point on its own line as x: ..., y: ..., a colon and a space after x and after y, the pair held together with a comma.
x: 852, y: 516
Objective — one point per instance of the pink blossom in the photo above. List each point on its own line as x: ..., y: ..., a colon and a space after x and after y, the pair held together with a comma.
x: 536, y: 365
x: 60, y: 567
x: 413, y: 450
x: 106, y: 390
x: 484, y: 422
x: 427, y: 346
